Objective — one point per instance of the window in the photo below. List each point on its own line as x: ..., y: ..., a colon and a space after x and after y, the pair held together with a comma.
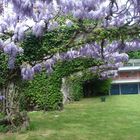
x: 129, y: 88
x: 114, y: 89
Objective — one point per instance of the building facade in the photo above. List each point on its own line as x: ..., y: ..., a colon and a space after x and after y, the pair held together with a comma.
x: 128, y: 79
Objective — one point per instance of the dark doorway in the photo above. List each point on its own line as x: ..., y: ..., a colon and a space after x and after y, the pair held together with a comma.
x: 95, y: 87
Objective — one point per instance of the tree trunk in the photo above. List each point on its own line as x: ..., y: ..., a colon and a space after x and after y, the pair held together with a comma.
x: 10, y: 107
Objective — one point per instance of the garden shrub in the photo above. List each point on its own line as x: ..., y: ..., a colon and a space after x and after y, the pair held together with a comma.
x: 3, y: 128
x: 34, y: 92
x: 44, y: 91
x: 74, y: 83
x: 77, y: 91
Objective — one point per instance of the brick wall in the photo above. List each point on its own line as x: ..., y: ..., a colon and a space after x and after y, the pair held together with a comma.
x: 128, y: 75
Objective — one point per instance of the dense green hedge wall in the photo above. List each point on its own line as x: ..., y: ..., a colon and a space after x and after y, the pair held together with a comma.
x: 44, y: 91
x: 77, y: 82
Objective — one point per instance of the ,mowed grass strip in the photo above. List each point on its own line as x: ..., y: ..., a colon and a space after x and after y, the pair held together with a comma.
x: 90, y: 119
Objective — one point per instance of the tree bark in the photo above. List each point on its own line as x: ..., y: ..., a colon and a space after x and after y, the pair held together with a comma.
x: 10, y: 107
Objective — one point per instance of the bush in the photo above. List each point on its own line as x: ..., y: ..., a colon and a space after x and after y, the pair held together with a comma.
x: 76, y: 90
x: 75, y: 83
x: 4, y: 128
x: 44, y: 92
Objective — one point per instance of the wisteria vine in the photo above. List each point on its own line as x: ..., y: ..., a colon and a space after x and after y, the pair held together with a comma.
x: 40, y: 16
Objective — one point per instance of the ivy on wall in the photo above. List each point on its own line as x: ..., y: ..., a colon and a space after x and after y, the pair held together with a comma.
x: 82, y: 83
x: 44, y: 92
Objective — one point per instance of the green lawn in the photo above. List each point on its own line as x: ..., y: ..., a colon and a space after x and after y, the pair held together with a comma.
x: 90, y: 119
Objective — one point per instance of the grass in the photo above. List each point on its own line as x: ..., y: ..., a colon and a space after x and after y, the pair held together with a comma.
x: 90, y: 119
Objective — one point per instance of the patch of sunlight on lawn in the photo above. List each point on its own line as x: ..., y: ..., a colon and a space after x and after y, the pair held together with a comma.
x: 90, y: 119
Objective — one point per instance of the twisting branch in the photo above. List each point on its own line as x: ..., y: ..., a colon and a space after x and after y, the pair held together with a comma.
x: 102, y: 48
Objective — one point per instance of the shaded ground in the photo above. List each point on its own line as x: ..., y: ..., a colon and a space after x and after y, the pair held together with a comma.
x: 90, y: 119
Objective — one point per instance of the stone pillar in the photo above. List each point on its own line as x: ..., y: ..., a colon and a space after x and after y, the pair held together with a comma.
x: 65, y: 91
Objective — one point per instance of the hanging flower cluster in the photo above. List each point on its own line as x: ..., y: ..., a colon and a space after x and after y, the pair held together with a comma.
x: 40, y: 16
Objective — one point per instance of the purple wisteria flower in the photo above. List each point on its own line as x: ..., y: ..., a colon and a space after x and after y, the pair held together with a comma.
x: 38, y: 28
x: 11, y: 49
x: 27, y: 72
x: 2, y: 97
x: 37, y: 68
x: 69, y: 23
